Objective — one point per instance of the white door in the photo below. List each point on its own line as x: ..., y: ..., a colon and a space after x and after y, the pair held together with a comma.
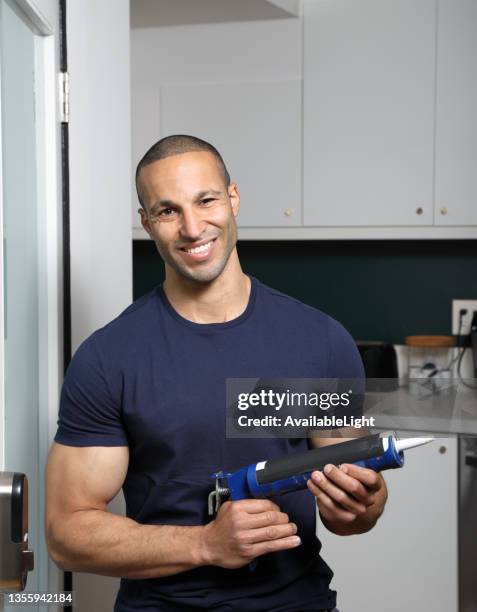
x: 29, y: 349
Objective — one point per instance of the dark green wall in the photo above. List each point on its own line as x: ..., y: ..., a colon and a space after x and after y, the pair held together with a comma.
x: 380, y: 290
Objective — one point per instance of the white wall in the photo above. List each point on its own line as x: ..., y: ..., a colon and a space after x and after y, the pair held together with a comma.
x: 100, y: 167
x: 100, y: 187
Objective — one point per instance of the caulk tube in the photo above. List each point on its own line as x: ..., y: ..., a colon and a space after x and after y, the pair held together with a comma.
x: 270, y: 478
x: 290, y: 473
x: 390, y: 458
x: 393, y: 456
x: 356, y: 449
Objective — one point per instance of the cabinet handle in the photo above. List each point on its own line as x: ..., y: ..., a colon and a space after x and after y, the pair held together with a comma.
x: 443, y: 450
x: 288, y: 212
x: 419, y: 211
x: 443, y: 210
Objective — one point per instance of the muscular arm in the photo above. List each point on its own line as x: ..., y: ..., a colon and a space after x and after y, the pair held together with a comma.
x: 350, y: 499
x: 83, y: 536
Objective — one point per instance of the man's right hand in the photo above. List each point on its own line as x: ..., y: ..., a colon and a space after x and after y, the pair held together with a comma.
x: 244, y: 530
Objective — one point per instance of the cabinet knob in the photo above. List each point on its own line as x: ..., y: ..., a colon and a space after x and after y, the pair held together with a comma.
x: 288, y: 212
x: 443, y: 210
x: 419, y: 211
x: 443, y: 450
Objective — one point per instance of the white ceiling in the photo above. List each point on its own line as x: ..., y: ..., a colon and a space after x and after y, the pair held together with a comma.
x: 157, y: 13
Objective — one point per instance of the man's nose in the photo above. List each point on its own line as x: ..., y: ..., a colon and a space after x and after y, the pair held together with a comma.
x: 192, y: 225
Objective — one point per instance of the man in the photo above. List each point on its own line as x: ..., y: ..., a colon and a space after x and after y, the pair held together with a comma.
x: 143, y: 405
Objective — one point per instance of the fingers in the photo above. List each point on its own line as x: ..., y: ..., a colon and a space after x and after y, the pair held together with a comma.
x: 246, y: 529
x: 331, y: 498
x: 258, y: 533
x: 344, y: 478
x: 265, y: 519
x: 370, y: 479
x: 330, y: 509
x: 268, y: 525
x: 274, y: 545
x: 271, y: 532
x: 346, y: 491
x: 245, y: 514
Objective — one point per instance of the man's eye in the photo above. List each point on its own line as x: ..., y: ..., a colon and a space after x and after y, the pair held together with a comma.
x: 165, y: 212
x: 207, y: 200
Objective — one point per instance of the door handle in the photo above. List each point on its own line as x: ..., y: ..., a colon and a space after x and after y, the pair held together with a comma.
x: 16, y: 560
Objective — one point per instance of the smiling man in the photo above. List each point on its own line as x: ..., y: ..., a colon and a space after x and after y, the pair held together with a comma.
x: 143, y: 408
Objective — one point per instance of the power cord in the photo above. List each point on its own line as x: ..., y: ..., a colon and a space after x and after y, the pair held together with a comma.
x: 460, y: 356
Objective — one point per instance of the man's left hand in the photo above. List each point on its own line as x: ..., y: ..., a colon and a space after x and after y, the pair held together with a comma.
x: 350, y: 498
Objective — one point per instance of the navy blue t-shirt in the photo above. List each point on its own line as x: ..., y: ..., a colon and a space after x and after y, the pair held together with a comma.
x: 155, y: 381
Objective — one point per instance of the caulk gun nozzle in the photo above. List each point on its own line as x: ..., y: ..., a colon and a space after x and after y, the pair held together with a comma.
x: 406, y: 443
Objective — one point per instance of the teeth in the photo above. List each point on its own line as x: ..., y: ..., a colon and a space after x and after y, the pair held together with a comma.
x: 200, y: 249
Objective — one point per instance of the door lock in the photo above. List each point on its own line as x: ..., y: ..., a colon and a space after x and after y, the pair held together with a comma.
x: 16, y: 560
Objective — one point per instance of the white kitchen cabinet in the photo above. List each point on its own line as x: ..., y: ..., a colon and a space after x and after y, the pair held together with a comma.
x: 347, y: 120
x: 256, y: 127
x: 456, y: 108
x: 369, y: 70
x: 238, y: 85
x: 240, y: 119
x: 409, y: 561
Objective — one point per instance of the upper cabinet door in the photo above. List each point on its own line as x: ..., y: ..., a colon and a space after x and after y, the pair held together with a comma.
x: 456, y: 125
x: 256, y: 127
x: 369, y: 86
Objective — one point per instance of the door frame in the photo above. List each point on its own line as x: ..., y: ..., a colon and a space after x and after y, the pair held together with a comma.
x: 42, y: 15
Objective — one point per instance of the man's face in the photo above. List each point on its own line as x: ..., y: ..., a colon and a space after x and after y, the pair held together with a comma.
x: 190, y: 213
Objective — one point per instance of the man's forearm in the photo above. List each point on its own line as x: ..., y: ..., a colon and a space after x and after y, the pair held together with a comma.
x: 363, y: 522
x: 100, y: 542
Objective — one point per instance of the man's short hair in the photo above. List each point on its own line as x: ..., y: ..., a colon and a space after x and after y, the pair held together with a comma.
x: 178, y: 144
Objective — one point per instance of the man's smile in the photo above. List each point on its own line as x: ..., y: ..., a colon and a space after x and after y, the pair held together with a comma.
x: 200, y: 250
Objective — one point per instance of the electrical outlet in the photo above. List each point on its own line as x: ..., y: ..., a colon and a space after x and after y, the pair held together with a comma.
x: 457, y: 306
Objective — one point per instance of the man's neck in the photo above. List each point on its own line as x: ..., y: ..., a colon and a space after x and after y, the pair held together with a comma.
x: 223, y: 299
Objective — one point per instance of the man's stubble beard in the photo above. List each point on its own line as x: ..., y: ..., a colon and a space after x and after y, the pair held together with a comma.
x: 208, y: 274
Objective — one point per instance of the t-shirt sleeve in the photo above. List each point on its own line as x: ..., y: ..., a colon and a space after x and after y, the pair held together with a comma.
x: 89, y: 415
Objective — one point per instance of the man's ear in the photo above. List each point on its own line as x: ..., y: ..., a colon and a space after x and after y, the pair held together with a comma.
x: 145, y: 221
x: 234, y: 196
